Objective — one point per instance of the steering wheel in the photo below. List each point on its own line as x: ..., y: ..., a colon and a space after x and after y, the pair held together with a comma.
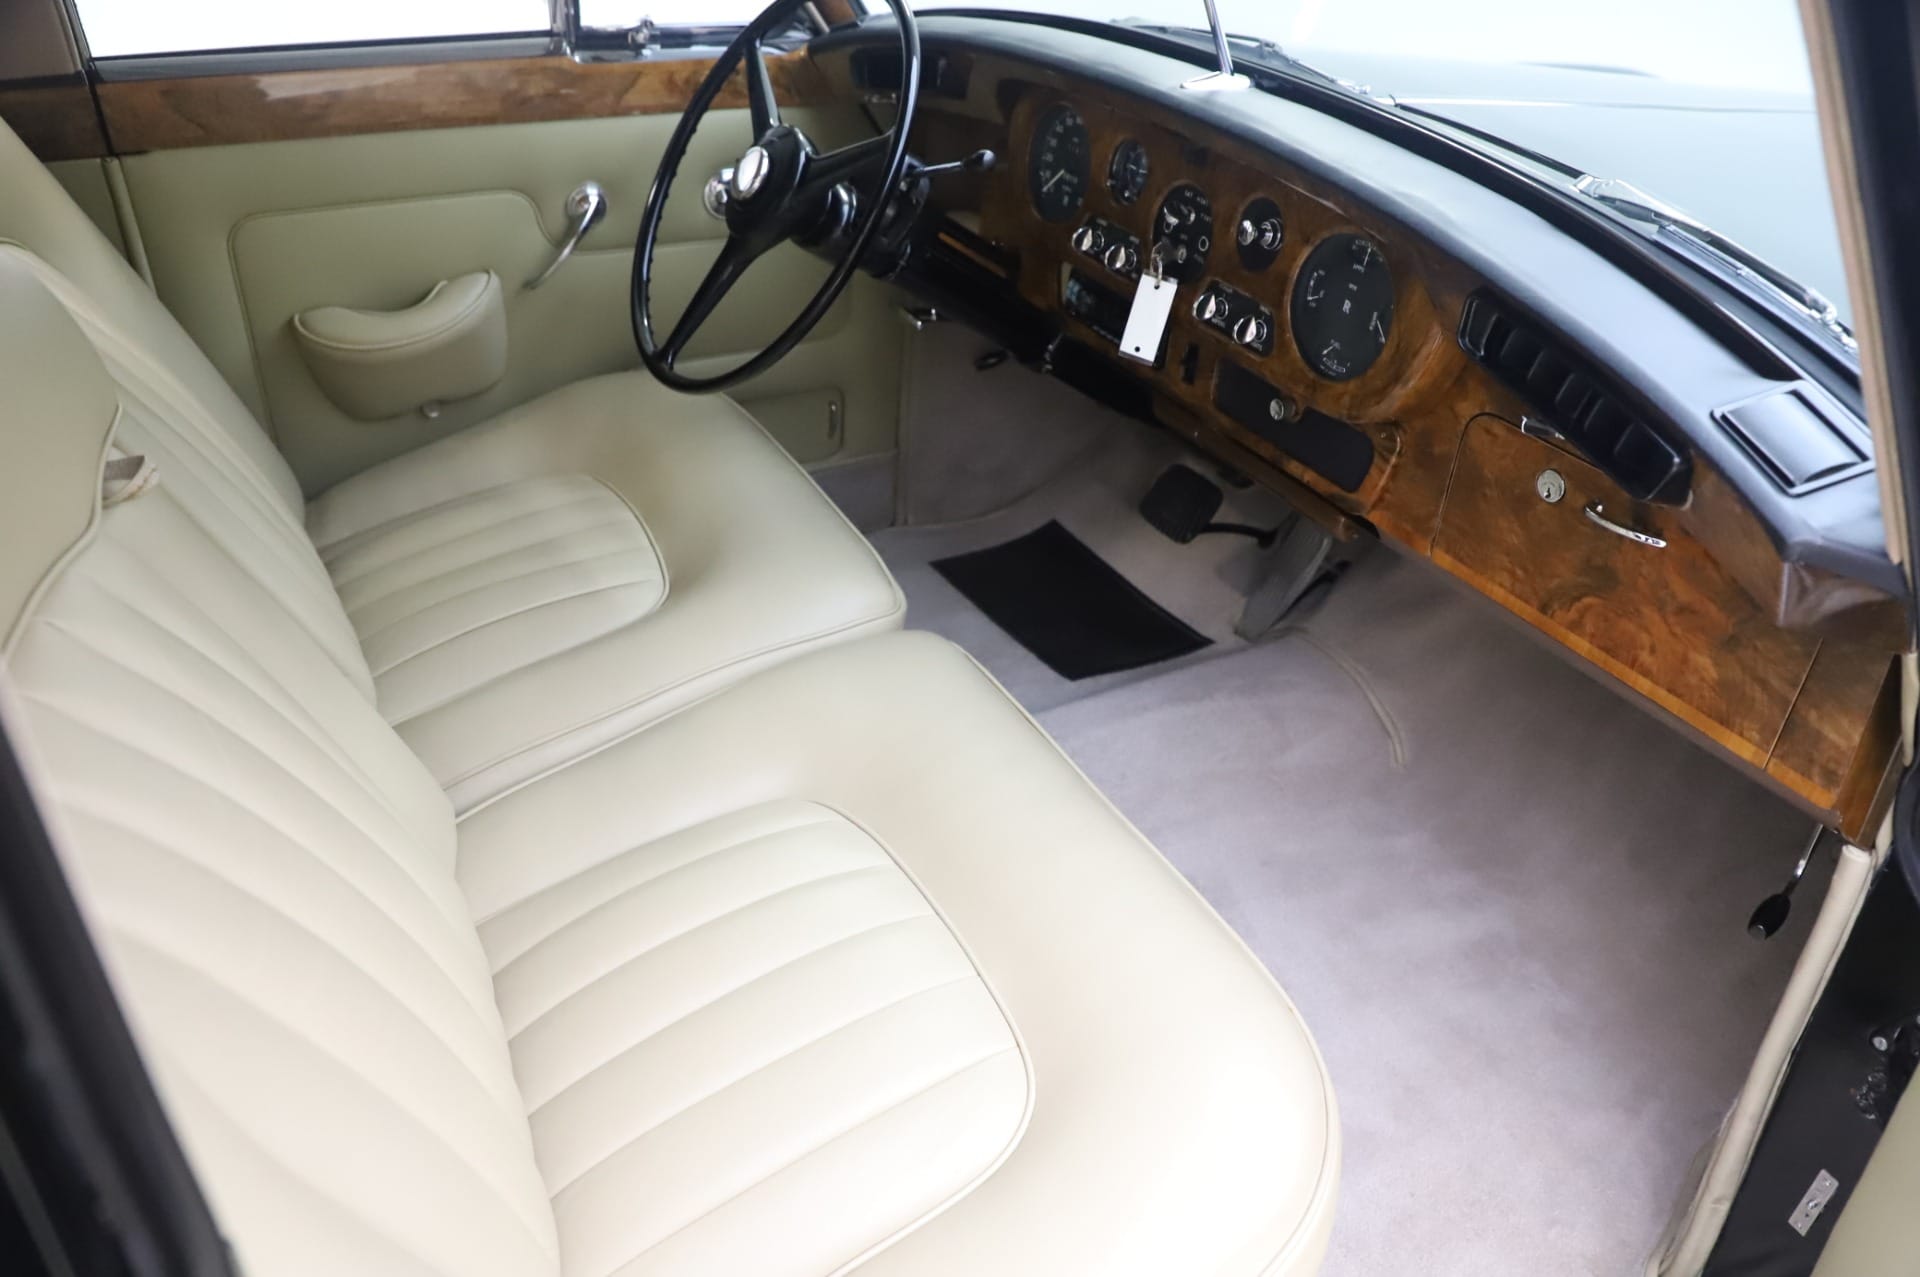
x: 781, y: 189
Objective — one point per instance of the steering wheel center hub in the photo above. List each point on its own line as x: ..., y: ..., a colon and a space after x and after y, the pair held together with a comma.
x: 750, y: 174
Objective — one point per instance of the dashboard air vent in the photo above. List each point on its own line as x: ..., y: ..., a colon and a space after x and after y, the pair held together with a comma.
x: 1573, y: 398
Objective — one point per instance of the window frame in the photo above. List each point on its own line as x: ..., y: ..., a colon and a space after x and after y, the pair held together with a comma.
x: 564, y: 35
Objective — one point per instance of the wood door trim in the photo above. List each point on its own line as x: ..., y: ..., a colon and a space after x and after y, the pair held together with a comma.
x: 278, y: 106
x: 54, y: 117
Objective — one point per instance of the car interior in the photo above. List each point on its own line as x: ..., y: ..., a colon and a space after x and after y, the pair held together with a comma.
x: 898, y: 643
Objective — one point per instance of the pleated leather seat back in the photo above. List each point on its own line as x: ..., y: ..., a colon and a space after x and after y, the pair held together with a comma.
x: 218, y: 456
x: 269, y: 873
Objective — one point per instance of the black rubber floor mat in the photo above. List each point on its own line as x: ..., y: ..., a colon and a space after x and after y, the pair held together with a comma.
x: 1067, y: 606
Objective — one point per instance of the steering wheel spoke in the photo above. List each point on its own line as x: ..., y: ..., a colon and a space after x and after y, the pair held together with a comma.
x: 780, y: 191
x: 760, y: 104
x: 735, y: 256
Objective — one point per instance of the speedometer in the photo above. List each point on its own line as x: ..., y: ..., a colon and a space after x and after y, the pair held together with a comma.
x: 1342, y: 306
x: 1057, y: 164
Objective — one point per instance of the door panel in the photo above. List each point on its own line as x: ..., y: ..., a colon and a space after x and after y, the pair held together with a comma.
x: 86, y: 182
x: 243, y: 238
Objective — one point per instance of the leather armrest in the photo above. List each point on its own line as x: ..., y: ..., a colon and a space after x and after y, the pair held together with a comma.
x: 378, y: 364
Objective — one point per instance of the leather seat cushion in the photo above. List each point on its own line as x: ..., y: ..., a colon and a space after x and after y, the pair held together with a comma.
x: 756, y: 565
x: 771, y: 985
x: 450, y: 598
x: 759, y: 999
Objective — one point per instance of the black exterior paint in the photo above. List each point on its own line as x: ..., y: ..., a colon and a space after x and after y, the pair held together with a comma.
x: 1838, y: 1093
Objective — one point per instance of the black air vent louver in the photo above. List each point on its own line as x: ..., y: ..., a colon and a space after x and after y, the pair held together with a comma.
x: 1574, y: 399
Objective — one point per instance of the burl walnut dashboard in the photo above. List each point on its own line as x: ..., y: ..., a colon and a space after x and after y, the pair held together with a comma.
x: 1323, y: 348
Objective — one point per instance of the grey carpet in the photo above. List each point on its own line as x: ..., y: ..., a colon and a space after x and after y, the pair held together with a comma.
x: 1202, y: 582
x: 1521, y: 951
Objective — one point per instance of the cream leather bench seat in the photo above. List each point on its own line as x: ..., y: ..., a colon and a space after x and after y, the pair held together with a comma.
x: 551, y: 579
x: 525, y: 589
x: 843, y: 968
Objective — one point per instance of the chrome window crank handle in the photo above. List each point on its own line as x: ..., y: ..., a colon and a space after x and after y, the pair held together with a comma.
x: 1597, y: 513
x: 585, y: 209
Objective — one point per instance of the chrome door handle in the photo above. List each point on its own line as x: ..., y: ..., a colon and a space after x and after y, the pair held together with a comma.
x: 1597, y: 513
x: 585, y: 208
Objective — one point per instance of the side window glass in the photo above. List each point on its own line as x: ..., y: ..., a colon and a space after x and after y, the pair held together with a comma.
x: 618, y: 14
x: 134, y: 28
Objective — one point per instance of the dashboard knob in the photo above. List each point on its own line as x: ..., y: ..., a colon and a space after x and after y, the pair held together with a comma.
x: 1248, y: 232
x: 1089, y: 240
x: 1251, y: 330
x: 1209, y: 307
x: 1122, y: 258
x: 1270, y: 233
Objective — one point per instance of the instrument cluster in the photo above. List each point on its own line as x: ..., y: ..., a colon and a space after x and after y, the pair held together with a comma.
x: 1340, y: 303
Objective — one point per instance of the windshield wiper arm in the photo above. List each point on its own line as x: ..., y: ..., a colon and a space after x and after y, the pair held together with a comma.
x: 1631, y: 202
x: 1269, y: 54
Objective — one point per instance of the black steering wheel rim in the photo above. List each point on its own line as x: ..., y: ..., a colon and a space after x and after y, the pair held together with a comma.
x: 659, y: 356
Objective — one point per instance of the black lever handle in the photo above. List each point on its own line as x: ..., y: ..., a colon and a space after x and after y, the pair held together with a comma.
x: 1771, y: 914
x: 979, y: 162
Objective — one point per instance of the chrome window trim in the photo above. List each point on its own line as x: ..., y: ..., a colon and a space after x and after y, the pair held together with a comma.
x: 559, y: 38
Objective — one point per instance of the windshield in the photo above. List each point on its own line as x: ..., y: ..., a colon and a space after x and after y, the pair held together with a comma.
x: 1707, y: 105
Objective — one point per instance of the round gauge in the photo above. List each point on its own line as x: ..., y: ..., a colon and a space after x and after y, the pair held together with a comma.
x: 1183, y: 232
x: 1057, y: 164
x: 1342, y: 307
x: 1127, y: 171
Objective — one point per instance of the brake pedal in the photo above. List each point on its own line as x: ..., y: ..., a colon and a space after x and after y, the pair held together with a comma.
x: 1181, y: 503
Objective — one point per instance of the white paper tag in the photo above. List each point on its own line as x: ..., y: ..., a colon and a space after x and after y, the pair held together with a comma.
x: 1147, y: 321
